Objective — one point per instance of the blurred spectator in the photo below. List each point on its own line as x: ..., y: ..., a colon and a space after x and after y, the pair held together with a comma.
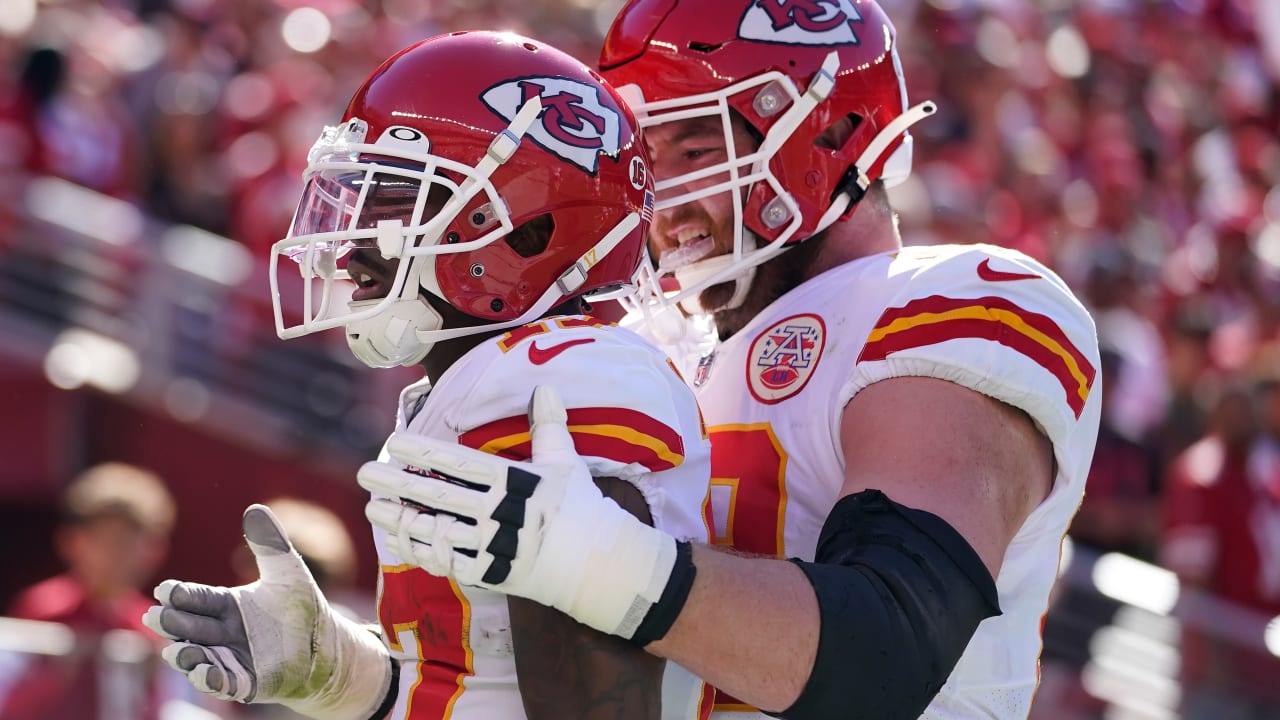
x: 40, y: 79
x: 1138, y: 393
x: 113, y: 534
x: 1120, y: 512
x: 1191, y: 375
x: 1222, y: 536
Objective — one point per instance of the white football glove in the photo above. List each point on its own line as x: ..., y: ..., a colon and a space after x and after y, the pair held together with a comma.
x: 539, y: 530
x: 276, y: 640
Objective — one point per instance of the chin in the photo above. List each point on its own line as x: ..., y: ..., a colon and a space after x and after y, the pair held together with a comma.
x: 714, y: 298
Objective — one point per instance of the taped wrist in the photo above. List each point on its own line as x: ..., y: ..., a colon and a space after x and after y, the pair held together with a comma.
x: 900, y: 593
x: 662, y: 614
x: 352, y: 667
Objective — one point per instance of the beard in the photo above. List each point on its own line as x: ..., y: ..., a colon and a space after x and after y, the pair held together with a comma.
x: 773, y: 279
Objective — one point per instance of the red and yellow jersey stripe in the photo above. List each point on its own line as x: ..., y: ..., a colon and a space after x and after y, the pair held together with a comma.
x: 936, y: 319
x: 617, y: 434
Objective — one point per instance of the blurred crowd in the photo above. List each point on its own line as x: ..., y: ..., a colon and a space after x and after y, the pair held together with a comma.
x: 1133, y: 145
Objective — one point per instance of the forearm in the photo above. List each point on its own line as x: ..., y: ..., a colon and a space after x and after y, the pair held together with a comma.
x: 877, y: 621
x: 568, y: 670
x: 746, y: 607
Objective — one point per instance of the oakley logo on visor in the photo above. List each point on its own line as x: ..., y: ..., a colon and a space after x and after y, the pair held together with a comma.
x: 574, y: 125
x: 801, y: 22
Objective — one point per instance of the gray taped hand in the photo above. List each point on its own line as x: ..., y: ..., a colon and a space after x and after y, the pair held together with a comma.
x: 275, y: 640
x: 211, y: 670
x: 213, y: 647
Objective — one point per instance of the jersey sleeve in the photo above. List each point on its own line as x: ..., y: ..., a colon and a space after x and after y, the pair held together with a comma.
x: 630, y: 414
x: 997, y: 322
x: 622, y: 399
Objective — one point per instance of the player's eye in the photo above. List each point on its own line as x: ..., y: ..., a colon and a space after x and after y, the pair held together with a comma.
x: 697, y: 153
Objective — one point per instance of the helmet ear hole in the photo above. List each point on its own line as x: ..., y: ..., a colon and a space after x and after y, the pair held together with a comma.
x: 532, y: 237
x: 838, y: 133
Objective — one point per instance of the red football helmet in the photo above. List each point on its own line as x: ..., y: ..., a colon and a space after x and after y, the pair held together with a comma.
x: 449, y: 146
x: 791, y: 69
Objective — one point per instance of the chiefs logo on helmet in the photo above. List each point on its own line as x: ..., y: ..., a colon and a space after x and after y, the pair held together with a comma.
x: 575, y: 124
x: 801, y: 22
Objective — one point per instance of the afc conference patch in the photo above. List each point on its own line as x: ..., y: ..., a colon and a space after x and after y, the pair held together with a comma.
x: 783, y: 357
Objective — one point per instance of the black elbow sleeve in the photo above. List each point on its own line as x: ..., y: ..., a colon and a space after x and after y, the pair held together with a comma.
x: 900, y: 593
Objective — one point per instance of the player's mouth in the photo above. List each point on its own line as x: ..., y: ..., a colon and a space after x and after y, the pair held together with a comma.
x: 691, y: 244
x: 372, y: 276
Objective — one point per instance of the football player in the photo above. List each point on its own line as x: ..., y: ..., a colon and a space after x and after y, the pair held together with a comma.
x: 479, y: 187
x: 910, y: 428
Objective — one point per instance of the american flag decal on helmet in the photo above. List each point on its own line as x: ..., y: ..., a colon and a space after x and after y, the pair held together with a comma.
x: 646, y: 210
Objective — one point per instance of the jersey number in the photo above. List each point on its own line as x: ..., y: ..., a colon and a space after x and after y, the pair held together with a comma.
x: 426, y: 620
x: 749, y: 519
x: 748, y: 503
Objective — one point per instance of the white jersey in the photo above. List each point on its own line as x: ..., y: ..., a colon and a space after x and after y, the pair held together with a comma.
x: 631, y: 417
x: 986, y: 318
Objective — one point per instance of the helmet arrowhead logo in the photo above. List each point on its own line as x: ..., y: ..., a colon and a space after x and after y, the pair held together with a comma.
x: 575, y: 125
x: 801, y: 22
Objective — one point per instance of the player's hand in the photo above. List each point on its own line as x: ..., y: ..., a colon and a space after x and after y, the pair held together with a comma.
x: 274, y: 640
x: 540, y: 530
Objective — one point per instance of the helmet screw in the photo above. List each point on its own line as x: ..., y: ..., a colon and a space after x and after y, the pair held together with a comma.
x: 775, y: 214
x: 477, y: 219
x: 812, y: 178
x: 451, y: 238
x: 477, y: 270
x: 496, y: 305
x: 768, y: 102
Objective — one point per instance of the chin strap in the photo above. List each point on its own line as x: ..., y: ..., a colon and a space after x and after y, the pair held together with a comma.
x: 391, y: 337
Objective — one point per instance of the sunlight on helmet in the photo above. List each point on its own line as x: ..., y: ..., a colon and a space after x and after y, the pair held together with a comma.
x: 1272, y: 637
x: 306, y: 30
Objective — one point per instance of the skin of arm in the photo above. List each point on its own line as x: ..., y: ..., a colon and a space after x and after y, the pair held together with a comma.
x: 568, y: 670
x: 751, y: 625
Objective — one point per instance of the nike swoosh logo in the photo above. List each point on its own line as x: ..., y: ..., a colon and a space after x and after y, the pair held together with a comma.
x: 539, y: 356
x: 986, y: 273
